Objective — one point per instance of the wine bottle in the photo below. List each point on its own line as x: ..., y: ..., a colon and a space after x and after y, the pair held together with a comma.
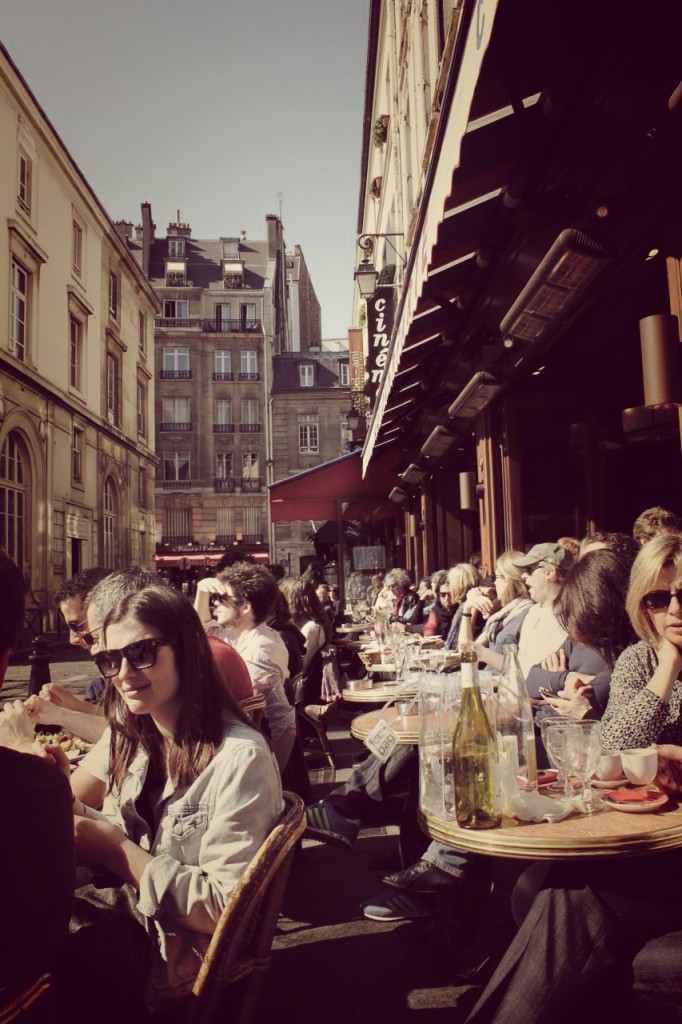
x: 475, y: 756
x: 514, y: 721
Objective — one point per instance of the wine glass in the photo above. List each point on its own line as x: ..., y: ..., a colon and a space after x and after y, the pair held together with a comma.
x: 553, y: 732
x: 583, y: 750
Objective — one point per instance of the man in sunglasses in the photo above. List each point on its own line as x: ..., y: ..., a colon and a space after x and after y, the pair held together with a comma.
x: 55, y: 704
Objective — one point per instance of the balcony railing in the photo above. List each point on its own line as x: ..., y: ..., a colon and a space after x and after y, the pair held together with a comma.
x: 253, y: 538
x: 176, y: 485
x: 224, y: 486
x: 223, y: 539
x: 175, y: 280
x: 249, y: 376
x: 251, y: 486
x: 175, y: 427
x: 177, y: 321
x: 222, y: 376
x: 176, y: 374
x: 223, y: 326
x: 223, y: 428
x: 250, y: 428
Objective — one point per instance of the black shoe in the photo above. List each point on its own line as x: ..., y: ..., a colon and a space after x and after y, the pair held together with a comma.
x: 421, y: 877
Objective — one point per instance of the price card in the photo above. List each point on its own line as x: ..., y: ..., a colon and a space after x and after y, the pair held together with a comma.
x: 382, y: 740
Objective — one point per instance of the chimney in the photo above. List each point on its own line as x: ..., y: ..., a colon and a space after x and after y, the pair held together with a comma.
x: 148, y: 229
x: 124, y: 228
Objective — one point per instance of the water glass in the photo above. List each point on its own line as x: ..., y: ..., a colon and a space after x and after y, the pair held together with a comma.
x: 583, y: 751
x: 553, y: 732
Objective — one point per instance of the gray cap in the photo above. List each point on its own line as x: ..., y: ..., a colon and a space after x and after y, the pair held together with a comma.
x: 552, y: 553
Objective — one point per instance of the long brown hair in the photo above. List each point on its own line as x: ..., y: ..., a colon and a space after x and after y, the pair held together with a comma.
x: 304, y: 604
x: 204, y: 698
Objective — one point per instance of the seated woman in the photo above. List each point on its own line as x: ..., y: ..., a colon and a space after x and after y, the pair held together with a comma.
x: 189, y: 790
x: 308, y: 614
x: 645, y: 699
x: 591, y: 608
x: 498, y: 617
x: 441, y: 610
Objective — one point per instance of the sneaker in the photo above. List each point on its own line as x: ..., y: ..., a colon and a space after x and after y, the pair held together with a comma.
x: 326, y: 824
x: 421, y: 877
x: 397, y: 906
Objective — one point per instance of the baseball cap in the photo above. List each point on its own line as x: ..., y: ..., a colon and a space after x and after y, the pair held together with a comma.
x: 554, y: 554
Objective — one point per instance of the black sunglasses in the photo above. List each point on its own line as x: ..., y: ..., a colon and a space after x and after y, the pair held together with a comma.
x: 140, y: 655
x: 88, y: 638
x: 657, y: 600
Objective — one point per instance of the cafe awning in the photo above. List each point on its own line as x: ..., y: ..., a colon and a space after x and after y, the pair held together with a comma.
x: 335, y: 488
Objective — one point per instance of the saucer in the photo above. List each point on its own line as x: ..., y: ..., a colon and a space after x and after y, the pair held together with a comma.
x: 636, y: 801
x: 608, y: 783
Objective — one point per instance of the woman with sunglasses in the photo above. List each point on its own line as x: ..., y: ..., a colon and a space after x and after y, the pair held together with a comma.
x: 191, y: 793
x: 645, y: 699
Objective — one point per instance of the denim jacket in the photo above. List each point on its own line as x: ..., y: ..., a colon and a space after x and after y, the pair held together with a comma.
x: 207, y: 835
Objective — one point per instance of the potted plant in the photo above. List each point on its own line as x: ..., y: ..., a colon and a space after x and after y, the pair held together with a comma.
x: 386, y: 274
x: 380, y: 130
x: 375, y: 187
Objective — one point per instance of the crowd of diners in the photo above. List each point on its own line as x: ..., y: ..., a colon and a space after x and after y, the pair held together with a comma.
x: 151, y: 832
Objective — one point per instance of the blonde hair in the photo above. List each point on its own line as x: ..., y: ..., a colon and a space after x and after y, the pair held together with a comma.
x: 658, y: 554
x: 514, y: 586
x: 460, y: 578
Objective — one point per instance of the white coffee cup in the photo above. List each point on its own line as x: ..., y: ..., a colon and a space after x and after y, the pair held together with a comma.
x: 640, y: 765
x: 610, y: 766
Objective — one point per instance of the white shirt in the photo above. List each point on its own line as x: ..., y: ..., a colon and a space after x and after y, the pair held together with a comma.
x: 540, y: 636
x: 267, y: 660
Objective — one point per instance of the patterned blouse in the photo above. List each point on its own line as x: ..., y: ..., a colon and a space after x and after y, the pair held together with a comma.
x: 636, y: 716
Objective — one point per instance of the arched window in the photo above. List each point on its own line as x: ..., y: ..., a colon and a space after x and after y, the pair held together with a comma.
x: 14, y: 481
x: 108, y: 520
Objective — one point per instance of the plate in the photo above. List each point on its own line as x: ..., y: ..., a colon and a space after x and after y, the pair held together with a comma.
x: 636, y: 801
x: 608, y: 783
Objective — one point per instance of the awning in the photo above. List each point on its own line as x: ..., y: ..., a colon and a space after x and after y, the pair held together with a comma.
x: 335, y: 487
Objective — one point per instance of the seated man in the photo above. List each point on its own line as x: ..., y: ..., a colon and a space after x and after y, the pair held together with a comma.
x: 36, y: 802
x: 246, y: 598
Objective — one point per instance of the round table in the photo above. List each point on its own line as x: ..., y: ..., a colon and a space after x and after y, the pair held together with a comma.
x: 608, y: 833
x: 379, y: 692
x: 354, y: 627
x: 405, y: 727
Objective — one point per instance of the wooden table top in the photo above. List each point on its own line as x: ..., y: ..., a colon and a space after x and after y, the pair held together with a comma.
x: 406, y: 728
x: 354, y: 627
x: 607, y: 833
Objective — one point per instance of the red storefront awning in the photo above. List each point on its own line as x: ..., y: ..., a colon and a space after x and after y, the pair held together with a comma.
x: 335, y: 487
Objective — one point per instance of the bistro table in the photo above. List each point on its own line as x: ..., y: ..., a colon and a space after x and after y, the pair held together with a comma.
x: 406, y: 727
x: 607, y: 833
x: 354, y: 627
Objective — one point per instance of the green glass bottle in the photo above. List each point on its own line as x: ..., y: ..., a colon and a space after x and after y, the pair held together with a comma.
x: 475, y: 756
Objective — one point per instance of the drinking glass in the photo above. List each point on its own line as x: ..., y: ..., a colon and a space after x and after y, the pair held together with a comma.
x: 553, y: 732
x: 583, y: 751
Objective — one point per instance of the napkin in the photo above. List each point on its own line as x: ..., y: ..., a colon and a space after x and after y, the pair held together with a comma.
x: 531, y: 806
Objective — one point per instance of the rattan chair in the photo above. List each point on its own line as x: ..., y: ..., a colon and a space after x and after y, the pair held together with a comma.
x: 240, y: 950
x: 253, y: 707
x: 35, y: 1003
x: 305, y: 723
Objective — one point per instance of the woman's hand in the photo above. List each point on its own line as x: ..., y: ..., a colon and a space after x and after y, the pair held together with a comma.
x: 57, y: 755
x: 669, y: 775
x: 16, y: 728
x: 60, y: 697
x: 43, y: 712
x: 100, y: 842
x: 555, y: 662
x: 576, y: 705
x: 669, y: 656
x: 477, y: 601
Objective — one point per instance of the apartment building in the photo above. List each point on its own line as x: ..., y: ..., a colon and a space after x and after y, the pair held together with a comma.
x: 76, y: 365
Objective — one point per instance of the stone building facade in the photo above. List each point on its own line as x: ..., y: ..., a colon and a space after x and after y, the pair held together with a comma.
x: 76, y: 365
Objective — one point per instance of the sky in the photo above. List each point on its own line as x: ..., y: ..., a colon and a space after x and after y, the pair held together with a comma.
x: 224, y: 110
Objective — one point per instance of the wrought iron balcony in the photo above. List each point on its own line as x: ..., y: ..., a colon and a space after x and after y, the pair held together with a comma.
x: 253, y: 538
x: 177, y: 427
x: 176, y: 374
x: 249, y: 376
x: 251, y: 485
x: 250, y: 428
x: 177, y: 321
x: 221, y: 325
x: 175, y: 280
x: 176, y: 485
x: 223, y: 428
x: 225, y: 486
x: 222, y: 376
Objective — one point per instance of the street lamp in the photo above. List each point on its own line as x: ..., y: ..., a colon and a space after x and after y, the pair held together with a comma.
x: 353, y: 419
x: 366, y: 273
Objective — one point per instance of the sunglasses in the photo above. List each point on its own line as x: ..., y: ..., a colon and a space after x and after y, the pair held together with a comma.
x: 228, y: 599
x: 444, y: 593
x: 140, y: 655
x: 657, y: 600
x: 88, y: 638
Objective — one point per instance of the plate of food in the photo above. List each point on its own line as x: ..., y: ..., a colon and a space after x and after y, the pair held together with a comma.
x: 636, y: 801
x: 73, y: 746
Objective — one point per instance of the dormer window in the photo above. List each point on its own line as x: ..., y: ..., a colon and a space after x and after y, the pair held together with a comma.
x: 229, y: 248
x: 176, y: 273
x: 176, y: 248
x: 305, y: 375
x: 233, y: 273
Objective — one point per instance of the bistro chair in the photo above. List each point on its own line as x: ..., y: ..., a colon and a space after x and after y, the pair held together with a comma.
x: 254, y: 707
x: 240, y: 950
x: 34, y: 1004
x: 305, y: 723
